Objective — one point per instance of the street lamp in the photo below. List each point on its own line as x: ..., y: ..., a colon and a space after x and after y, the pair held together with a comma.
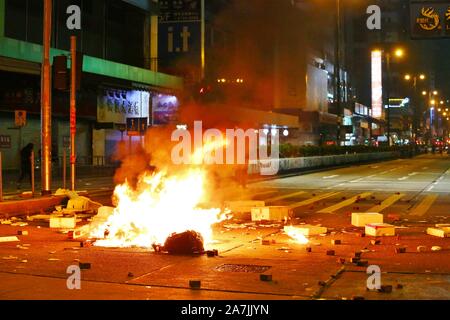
x: 399, y: 53
x: 415, y: 101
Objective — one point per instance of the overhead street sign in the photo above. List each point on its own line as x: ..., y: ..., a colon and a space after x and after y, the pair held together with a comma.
x: 430, y: 19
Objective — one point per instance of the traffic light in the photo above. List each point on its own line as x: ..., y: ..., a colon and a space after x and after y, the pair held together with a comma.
x: 61, y: 77
x: 62, y: 74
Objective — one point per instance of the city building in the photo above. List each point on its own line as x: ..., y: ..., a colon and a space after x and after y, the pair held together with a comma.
x: 119, y: 79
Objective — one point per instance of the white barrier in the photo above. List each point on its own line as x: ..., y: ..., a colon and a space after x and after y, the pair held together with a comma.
x: 290, y: 164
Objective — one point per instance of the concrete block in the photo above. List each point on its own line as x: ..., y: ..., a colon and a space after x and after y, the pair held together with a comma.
x: 363, y: 219
x: 336, y: 242
x: 400, y: 250
x: 331, y: 253
x: 195, y: 284
x: 23, y: 233
x: 243, y: 206
x: 273, y: 213
x: 265, y: 277
x: 58, y: 222
x: 84, y: 266
x: 306, y: 230
x: 380, y: 230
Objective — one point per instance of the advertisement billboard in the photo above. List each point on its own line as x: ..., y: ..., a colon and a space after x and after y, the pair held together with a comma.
x: 377, y: 84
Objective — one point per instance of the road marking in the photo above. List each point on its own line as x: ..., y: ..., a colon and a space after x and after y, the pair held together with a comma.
x: 413, y: 174
x: 403, y: 179
x: 345, y: 203
x: 424, y: 206
x: 357, y: 180
x: 313, y: 200
x: 331, y: 177
x: 291, y: 195
x: 387, y: 203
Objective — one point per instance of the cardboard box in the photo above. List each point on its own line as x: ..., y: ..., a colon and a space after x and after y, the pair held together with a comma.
x: 363, y: 219
x: 306, y: 230
x: 439, y: 232
x: 274, y: 213
x: 243, y: 206
x: 58, y: 222
x: 380, y: 230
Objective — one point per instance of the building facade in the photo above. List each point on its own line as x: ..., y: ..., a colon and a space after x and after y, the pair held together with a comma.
x: 119, y: 79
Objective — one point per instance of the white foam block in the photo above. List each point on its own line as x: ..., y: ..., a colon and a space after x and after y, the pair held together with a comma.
x: 63, y: 222
x: 306, y: 230
x: 9, y: 239
x: 439, y: 232
x: 364, y: 218
x: 243, y: 206
x: 274, y: 213
x: 380, y: 230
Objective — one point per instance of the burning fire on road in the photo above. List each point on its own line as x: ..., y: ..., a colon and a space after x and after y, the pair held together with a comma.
x: 158, y: 207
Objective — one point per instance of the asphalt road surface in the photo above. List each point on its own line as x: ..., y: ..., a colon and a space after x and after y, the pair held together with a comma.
x: 413, y: 194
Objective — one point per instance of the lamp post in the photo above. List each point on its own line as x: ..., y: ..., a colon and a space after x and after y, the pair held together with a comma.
x: 397, y: 53
x: 46, y: 107
x: 416, y: 107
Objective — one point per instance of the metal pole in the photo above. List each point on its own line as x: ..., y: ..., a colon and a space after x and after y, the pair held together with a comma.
x: 73, y: 110
x: 46, y: 108
x: 32, y: 173
x: 64, y: 168
x: 388, y: 93
x: 338, y: 68
x: 203, y: 35
x: 1, y: 178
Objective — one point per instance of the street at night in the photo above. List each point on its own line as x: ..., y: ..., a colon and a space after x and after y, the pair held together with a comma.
x: 413, y: 192
x: 225, y: 157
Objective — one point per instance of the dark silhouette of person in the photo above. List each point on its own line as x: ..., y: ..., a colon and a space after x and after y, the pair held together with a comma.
x: 25, y: 163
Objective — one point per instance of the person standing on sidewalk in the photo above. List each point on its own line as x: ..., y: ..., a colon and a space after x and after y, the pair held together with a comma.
x: 25, y: 163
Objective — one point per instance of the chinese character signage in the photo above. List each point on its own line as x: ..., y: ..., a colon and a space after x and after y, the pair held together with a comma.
x: 180, y: 10
x: 5, y: 142
x: 430, y: 19
x: 115, y: 105
x: 179, y: 39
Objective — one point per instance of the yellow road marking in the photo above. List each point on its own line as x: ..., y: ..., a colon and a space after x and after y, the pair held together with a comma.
x: 291, y: 195
x: 313, y: 200
x: 387, y: 203
x: 345, y: 203
x: 424, y: 206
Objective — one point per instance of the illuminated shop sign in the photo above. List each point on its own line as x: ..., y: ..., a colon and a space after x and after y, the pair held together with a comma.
x: 377, y: 84
x: 430, y: 19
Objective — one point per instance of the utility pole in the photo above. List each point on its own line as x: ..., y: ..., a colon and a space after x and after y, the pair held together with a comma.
x: 203, y: 39
x: 73, y: 108
x: 46, y: 108
x: 337, y: 72
x: 388, y: 93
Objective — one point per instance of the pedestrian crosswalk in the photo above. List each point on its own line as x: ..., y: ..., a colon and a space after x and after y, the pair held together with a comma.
x: 340, y: 201
x: 423, y: 207
x: 386, y: 203
x: 313, y: 200
x: 345, y: 203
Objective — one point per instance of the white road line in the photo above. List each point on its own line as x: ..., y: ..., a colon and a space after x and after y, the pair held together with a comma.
x: 331, y: 177
x: 402, y: 179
